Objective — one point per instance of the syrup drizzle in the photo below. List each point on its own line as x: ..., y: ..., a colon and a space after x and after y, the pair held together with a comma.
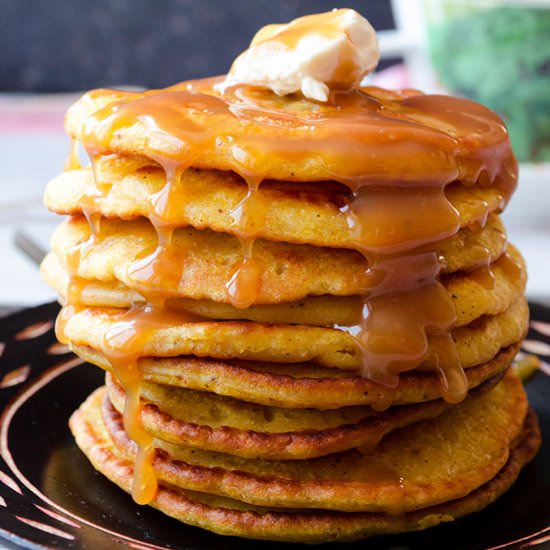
x: 72, y: 162
x: 244, y: 285
x: 396, y: 152
x: 124, y: 344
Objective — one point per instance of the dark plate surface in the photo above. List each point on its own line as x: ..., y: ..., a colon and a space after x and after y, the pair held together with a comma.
x: 51, y: 497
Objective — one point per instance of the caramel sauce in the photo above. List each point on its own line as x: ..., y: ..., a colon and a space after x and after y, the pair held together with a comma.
x: 395, y: 151
x: 124, y: 344
x: 89, y: 203
x: 481, y: 215
x: 72, y: 162
x: 510, y: 266
x: 324, y: 24
x: 484, y: 276
x: 412, y: 222
x: 383, y: 399
x: 244, y: 285
x: 480, y: 269
x: 453, y: 382
x: 395, y: 327
x: 160, y: 270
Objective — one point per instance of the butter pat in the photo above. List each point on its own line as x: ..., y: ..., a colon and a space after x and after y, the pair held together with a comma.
x: 312, y: 54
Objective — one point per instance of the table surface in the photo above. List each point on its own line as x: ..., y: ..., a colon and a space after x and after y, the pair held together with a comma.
x: 32, y: 151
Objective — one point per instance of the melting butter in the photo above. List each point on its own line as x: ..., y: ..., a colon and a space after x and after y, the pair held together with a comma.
x: 311, y: 54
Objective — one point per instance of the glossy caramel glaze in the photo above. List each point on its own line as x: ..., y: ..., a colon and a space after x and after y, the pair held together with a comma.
x: 395, y: 151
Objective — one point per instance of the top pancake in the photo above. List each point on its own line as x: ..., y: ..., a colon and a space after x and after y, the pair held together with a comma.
x: 369, y: 134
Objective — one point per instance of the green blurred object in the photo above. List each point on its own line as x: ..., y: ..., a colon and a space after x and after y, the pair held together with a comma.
x: 499, y: 56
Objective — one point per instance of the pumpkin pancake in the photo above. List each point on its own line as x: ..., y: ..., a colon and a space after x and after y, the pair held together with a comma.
x: 487, y: 291
x: 394, y: 477
x: 263, y: 124
x: 305, y: 214
x: 443, y: 474
x: 476, y: 343
x: 230, y: 517
x: 296, y: 385
x: 477, y: 293
x: 207, y: 260
x: 203, y: 420
x: 323, y: 310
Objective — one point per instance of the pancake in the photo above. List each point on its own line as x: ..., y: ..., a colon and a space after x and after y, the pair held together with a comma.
x: 259, y: 122
x: 207, y: 260
x: 230, y: 517
x: 314, y: 310
x: 454, y: 439
x: 308, y: 214
x: 205, y: 421
x: 294, y: 385
x: 477, y: 293
x: 476, y: 343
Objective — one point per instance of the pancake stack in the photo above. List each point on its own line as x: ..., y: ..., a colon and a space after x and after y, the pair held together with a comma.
x: 306, y: 311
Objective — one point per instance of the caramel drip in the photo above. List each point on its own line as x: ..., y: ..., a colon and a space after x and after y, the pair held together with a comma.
x: 481, y: 270
x: 395, y: 151
x: 89, y: 203
x: 324, y: 24
x: 72, y: 162
x: 395, y: 327
x: 510, y: 266
x: 481, y: 215
x: 144, y: 483
x: 383, y: 398
x: 446, y: 362
x: 484, y: 276
x: 244, y: 285
x: 161, y: 271
x: 124, y: 344
x: 392, y: 219
x: 78, y: 253
x: 404, y: 302
x: 152, y: 276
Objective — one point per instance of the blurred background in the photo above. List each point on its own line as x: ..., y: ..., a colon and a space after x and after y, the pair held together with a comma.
x: 494, y: 51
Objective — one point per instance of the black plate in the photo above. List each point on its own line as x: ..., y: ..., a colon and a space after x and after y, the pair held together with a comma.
x: 50, y: 496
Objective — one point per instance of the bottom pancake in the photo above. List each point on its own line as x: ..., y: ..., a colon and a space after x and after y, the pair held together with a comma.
x: 423, y: 465
x: 231, y: 517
